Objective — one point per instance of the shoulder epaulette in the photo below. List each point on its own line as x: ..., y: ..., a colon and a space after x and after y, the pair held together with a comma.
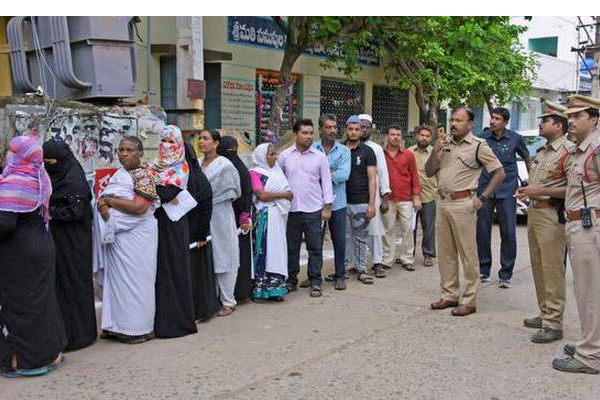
x: 596, y: 147
x: 571, y: 147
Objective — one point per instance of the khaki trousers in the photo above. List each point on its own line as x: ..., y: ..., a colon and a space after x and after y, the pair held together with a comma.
x: 547, y: 245
x: 584, y: 253
x: 399, y: 216
x: 456, y: 227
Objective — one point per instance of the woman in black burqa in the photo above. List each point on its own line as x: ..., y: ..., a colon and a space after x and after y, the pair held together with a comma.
x: 71, y: 226
x: 204, y: 289
x: 228, y: 148
x: 174, y: 300
x: 32, y: 334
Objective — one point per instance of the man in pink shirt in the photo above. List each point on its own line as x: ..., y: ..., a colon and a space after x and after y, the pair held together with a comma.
x: 307, y: 172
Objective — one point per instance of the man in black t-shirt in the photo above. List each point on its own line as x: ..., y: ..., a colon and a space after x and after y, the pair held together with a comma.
x: 360, y: 193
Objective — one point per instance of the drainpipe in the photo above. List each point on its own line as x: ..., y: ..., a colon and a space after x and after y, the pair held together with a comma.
x: 148, y: 60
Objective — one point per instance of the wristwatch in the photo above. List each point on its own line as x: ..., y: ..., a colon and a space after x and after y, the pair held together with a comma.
x: 482, y: 198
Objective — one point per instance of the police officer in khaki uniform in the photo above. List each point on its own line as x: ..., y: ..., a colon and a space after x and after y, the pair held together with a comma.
x: 546, y: 231
x: 581, y: 175
x: 458, y: 159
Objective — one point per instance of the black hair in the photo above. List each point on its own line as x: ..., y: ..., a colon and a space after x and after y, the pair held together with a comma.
x: 214, y: 134
x: 326, y: 117
x: 592, y: 112
x: 135, y: 140
x: 394, y: 126
x: 501, y: 111
x: 425, y: 127
x: 469, y: 112
x: 557, y: 119
x: 300, y: 123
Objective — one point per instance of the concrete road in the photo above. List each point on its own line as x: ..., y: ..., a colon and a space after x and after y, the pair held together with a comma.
x: 369, y: 342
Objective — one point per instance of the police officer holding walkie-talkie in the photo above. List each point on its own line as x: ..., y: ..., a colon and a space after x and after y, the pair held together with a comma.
x: 579, y: 174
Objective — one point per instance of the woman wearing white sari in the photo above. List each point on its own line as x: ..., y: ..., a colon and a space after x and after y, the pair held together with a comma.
x: 272, y: 200
x: 225, y: 183
x: 125, y: 248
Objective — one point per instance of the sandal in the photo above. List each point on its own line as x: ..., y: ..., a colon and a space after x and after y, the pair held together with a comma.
x: 22, y: 373
x: 365, y: 278
x: 378, y: 271
x: 225, y: 311
x: 340, y: 285
x: 408, y: 267
x: 331, y: 277
x: 315, y: 291
x: 135, y: 339
x: 108, y: 335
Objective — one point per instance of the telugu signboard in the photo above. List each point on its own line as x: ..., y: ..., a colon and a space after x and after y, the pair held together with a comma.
x: 264, y: 32
x: 238, y: 104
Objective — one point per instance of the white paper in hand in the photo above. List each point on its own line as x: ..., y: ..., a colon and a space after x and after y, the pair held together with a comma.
x: 185, y: 203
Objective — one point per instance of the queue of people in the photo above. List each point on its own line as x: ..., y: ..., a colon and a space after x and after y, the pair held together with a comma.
x: 179, y: 240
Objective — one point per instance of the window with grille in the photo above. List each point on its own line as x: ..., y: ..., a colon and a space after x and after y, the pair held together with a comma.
x: 390, y: 107
x: 342, y: 99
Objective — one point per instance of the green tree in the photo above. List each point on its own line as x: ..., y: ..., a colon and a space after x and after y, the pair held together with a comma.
x: 304, y: 33
x: 462, y: 60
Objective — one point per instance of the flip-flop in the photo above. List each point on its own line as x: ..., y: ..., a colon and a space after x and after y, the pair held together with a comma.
x: 23, y: 373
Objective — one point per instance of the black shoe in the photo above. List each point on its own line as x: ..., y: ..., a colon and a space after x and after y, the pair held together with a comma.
x: 569, y: 349
x: 534, y: 323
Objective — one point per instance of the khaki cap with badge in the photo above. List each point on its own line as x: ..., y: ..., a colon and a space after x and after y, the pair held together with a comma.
x: 550, y: 108
x: 577, y: 103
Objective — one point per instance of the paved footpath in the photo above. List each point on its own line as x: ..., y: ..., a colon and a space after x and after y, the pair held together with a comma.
x: 369, y: 342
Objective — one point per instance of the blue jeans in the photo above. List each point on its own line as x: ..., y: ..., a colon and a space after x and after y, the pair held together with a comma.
x: 337, y: 229
x: 507, y: 218
x: 309, y: 225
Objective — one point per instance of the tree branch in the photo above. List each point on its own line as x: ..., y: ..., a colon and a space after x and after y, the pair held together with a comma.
x: 283, y: 25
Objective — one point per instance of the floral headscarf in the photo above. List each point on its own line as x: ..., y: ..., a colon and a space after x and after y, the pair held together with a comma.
x: 170, y: 168
x: 24, y: 183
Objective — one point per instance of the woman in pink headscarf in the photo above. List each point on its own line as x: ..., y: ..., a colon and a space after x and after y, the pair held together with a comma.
x: 32, y: 335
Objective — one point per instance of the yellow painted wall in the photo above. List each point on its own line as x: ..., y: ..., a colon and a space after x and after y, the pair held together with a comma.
x: 215, y: 38
x: 5, y: 80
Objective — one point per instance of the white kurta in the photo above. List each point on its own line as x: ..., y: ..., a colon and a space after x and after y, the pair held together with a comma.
x: 125, y: 266
x: 383, y: 187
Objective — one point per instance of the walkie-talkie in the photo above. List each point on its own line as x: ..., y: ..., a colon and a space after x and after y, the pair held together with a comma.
x: 586, y: 212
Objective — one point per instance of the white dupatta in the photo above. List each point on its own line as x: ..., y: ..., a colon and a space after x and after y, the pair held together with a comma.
x: 276, y: 182
x: 276, y: 258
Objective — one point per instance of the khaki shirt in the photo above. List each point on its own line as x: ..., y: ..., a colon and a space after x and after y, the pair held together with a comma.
x: 458, y: 166
x: 429, y: 185
x: 582, y: 165
x: 546, y: 161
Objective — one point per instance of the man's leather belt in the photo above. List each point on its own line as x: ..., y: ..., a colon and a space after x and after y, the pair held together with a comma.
x: 541, y: 204
x: 575, y: 215
x: 456, y: 195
